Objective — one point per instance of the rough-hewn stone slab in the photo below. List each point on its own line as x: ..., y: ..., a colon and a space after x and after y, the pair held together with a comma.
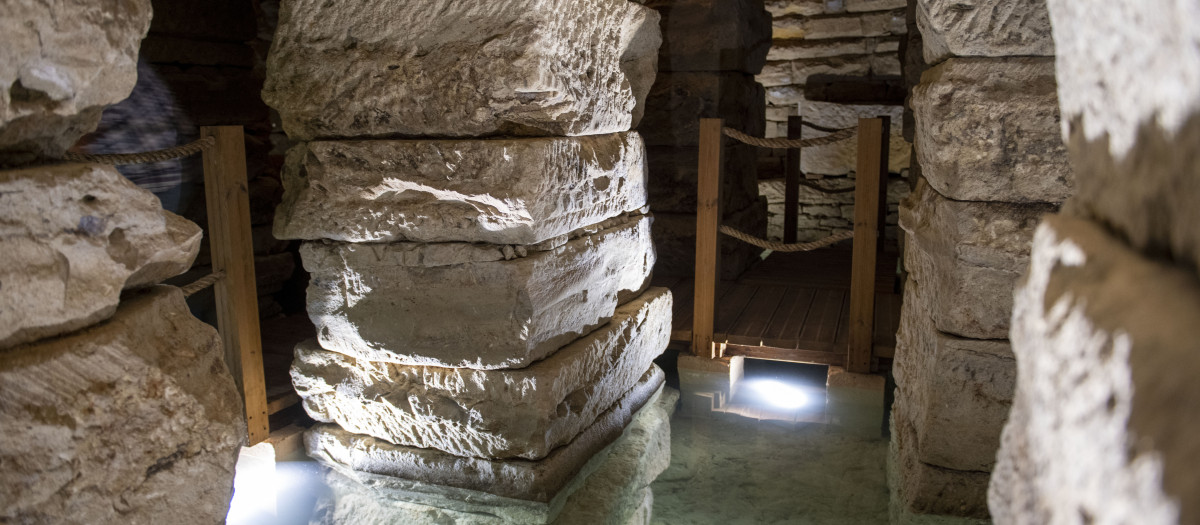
x: 957, y: 392
x: 506, y: 413
x: 968, y: 256
x: 673, y: 172
x: 678, y: 100
x: 458, y: 69
x: 841, y: 157
x: 713, y: 35
x: 464, y: 305
x: 882, y: 23
x: 984, y: 28
x: 61, y: 63
x: 503, y: 191
x: 675, y: 241
x: 988, y: 130
x: 532, y: 481
x: 135, y: 420
x: 921, y: 488
x: 1106, y: 338
x: 73, y: 236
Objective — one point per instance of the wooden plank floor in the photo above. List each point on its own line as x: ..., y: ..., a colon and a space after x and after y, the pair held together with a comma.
x: 793, y: 306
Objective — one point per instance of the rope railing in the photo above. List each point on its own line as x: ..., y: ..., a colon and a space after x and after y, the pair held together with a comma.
x: 784, y: 143
x: 146, y: 157
x: 201, y: 283
x: 782, y: 247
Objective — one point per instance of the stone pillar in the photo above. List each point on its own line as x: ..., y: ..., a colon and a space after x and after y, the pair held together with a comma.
x: 116, y: 403
x: 992, y: 164
x: 473, y: 210
x: 1105, y: 321
x: 711, y: 51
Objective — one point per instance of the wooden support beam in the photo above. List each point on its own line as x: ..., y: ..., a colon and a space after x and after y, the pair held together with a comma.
x: 884, y: 149
x: 791, y: 355
x: 791, y: 187
x: 871, y: 145
x: 708, y: 218
x: 228, y: 201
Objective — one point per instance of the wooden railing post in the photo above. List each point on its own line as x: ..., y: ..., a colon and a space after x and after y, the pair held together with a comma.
x: 791, y: 188
x: 228, y: 200
x: 872, y: 147
x: 708, y: 218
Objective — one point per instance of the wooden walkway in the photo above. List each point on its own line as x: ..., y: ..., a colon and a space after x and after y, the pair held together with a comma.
x: 793, y: 307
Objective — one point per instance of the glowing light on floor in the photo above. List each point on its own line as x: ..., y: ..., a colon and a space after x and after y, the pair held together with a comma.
x: 778, y: 393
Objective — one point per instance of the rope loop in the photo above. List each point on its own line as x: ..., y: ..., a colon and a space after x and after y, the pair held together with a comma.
x: 147, y: 157
x: 201, y: 283
x: 781, y: 247
x: 782, y: 143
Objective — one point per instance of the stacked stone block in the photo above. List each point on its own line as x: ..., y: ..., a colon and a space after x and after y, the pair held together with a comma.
x: 991, y: 165
x: 1104, y: 322
x: 116, y: 403
x: 711, y: 51
x: 473, y: 209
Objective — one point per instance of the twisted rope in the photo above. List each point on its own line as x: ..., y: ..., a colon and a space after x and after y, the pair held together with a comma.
x: 146, y: 157
x: 781, y: 247
x: 783, y: 143
x: 201, y: 283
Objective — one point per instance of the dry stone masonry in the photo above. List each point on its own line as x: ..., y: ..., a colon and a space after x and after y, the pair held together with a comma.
x: 991, y: 166
x: 1105, y: 321
x: 473, y: 207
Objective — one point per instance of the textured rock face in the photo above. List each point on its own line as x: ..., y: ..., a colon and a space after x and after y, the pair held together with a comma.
x: 985, y: 28
x: 968, y: 255
x: 926, y: 489
x: 72, y: 237
x: 679, y: 100
x: 508, y: 191
x: 447, y: 68
x: 673, y: 176
x: 613, y: 487
x: 841, y: 157
x: 989, y: 131
x: 675, y: 241
x: 523, y: 412
x: 1105, y: 339
x: 129, y: 421
x: 738, y: 38
x: 464, y: 305
x: 61, y: 63
x: 538, y: 481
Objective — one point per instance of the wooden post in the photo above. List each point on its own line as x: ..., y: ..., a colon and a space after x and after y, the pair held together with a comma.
x: 228, y: 201
x: 862, y: 266
x: 884, y: 149
x: 791, y: 188
x: 708, y: 218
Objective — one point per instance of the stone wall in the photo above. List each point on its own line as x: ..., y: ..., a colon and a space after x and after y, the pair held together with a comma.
x: 1104, y: 326
x: 116, y: 402
x: 472, y: 205
x: 991, y: 163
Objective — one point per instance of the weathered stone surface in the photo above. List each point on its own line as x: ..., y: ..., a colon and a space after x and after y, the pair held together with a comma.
x: 675, y: 242
x: 860, y: 6
x: 61, y: 63
x: 72, y: 237
x: 968, y: 256
x: 883, y: 23
x: 985, y: 28
x: 841, y: 157
x: 447, y: 68
x: 922, y: 489
x: 1102, y: 421
x: 464, y: 305
x: 678, y: 100
x: 987, y: 130
x: 816, y: 206
x: 779, y: 8
x: 507, y: 413
x: 135, y: 420
x: 672, y: 179
x: 799, y: 49
x: 713, y: 35
x: 536, y: 481
x: 957, y: 392
x: 503, y: 191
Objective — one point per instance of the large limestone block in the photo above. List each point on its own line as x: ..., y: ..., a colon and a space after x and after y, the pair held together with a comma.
x: 678, y: 100
x: 459, y: 69
x: 464, y: 305
x: 1102, y: 424
x: 713, y: 35
x: 506, y: 413
x: 72, y: 237
x: 673, y: 171
x: 503, y: 191
x: 841, y: 157
x: 919, y: 488
x: 984, y: 28
x: 987, y: 130
x: 967, y: 256
x: 848, y: 25
x: 675, y: 242
x: 60, y: 65
x: 956, y: 391
x: 135, y: 420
